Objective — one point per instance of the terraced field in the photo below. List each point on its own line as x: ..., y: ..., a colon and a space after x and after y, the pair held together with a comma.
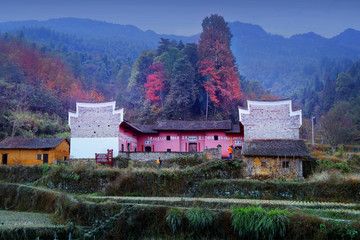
x: 14, y: 219
x: 328, y: 210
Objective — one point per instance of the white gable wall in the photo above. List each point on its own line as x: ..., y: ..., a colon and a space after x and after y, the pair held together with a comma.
x: 94, y: 129
x: 270, y: 120
x: 87, y: 147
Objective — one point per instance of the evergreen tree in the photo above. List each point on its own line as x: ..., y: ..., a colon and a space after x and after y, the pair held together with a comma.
x: 181, y: 97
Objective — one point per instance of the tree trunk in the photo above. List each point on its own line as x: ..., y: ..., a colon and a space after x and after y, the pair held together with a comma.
x: 207, y: 105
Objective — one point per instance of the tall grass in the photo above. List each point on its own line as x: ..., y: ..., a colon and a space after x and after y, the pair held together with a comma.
x: 258, y: 223
x: 274, y: 224
x: 199, y: 218
x: 174, y: 219
x: 245, y: 220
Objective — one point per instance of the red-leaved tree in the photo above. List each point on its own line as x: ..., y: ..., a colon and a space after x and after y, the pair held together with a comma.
x: 217, y: 63
x: 42, y: 69
x: 155, y: 83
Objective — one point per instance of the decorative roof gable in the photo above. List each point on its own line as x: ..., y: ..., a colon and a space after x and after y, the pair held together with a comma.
x: 270, y: 120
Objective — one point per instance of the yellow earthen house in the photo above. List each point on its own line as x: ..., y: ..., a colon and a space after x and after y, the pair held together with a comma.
x: 33, y: 151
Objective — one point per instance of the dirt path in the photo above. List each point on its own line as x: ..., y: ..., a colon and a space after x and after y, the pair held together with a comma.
x: 228, y: 201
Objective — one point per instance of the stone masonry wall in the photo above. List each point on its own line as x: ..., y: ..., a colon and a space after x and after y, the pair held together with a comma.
x: 272, y: 168
x: 211, y: 153
x: 95, y: 122
x: 270, y: 121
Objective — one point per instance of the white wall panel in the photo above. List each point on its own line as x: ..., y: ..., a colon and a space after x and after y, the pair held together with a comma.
x: 87, y: 147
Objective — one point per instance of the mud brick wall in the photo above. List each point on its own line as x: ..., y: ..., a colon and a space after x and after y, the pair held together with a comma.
x: 95, y: 122
x: 266, y: 121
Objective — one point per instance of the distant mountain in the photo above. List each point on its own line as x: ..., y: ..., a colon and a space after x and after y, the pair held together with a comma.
x: 282, y: 64
x: 350, y: 37
x: 285, y: 64
x: 87, y: 28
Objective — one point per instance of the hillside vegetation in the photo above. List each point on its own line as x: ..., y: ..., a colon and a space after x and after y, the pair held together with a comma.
x: 47, y: 66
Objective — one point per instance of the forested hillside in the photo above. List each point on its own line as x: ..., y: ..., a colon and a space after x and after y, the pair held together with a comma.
x: 47, y: 66
x: 37, y: 89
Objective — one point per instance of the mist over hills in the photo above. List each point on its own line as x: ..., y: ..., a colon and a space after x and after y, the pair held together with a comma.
x: 282, y: 64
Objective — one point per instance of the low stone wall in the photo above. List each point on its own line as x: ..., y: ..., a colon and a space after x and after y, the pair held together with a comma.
x: 211, y: 153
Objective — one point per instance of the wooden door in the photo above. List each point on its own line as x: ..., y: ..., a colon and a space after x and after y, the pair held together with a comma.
x: 46, y: 158
x: 4, y: 159
x: 192, y: 147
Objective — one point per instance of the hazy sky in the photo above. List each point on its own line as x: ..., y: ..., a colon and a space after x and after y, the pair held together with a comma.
x: 184, y: 17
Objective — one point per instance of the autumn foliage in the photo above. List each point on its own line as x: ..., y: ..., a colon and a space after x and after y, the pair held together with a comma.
x: 154, y: 84
x: 217, y: 62
x: 41, y: 69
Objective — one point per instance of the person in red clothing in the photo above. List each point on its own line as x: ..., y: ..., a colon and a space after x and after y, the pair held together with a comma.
x: 230, y: 152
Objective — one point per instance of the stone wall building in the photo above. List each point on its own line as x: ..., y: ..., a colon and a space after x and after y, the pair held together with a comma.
x: 271, y: 147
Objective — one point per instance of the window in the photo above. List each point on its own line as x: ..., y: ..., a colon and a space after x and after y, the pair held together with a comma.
x: 168, y: 138
x: 39, y: 157
x: 64, y: 158
x: 216, y: 137
x: 168, y: 150
x: 285, y: 164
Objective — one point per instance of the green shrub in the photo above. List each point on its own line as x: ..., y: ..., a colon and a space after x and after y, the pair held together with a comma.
x: 199, y: 218
x: 45, y: 169
x: 274, y: 224
x: 186, y: 161
x: 174, y: 218
x: 327, y: 164
x: 257, y: 223
x: 245, y: 221
x: 340, y: 152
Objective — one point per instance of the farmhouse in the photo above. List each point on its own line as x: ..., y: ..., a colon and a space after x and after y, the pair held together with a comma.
x: 32, y: 151
x: 272, y: 148
x: 96, y: 127
x: 180, y: 136
x: 267, y: 133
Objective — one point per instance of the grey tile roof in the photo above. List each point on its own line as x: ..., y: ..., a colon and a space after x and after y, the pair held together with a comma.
x: 145, y: 128
x: 277, y: 148
x: 235, y: 129
x: 30, y: 143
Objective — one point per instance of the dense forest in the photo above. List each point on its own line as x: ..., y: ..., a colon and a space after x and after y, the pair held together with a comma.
x: 46, y: 68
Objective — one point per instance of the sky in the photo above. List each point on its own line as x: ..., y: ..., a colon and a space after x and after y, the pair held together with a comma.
x: 183, y: 17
